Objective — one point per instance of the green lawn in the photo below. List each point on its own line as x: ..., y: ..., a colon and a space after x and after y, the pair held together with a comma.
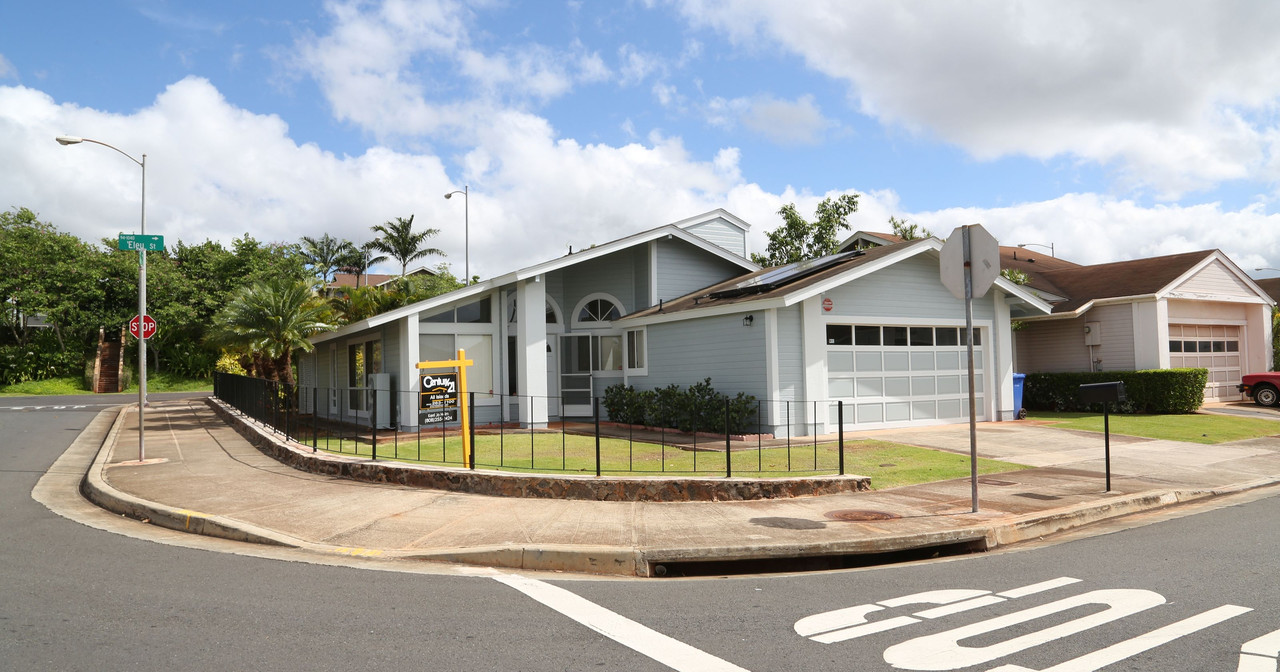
x: 888, y: 464
x: 1194, y: 427
x: 156, y: 382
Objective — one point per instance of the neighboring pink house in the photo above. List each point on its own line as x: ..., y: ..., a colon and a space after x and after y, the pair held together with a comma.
x: 1196, y: 309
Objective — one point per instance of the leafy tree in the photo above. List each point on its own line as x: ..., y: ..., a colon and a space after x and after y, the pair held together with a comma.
x: 397, y: 239
x: 324, y: 254
x: 352, y: 304
x: 270, y: 319
x: 798, y: 239
x: 908, y: 231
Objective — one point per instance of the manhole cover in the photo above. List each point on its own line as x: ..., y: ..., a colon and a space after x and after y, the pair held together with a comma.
x: 860, y: 515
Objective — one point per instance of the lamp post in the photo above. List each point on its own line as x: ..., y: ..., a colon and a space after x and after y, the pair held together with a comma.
x: 142, y: 289
x: 1266, y: 268
x: 1050, y: 246
x: 466, y: 221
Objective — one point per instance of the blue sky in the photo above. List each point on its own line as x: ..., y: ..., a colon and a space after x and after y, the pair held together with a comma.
x: 1113, y: 130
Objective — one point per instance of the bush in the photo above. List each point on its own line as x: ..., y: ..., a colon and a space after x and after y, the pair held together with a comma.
x: 699, y: 408
x: 1149, y: 391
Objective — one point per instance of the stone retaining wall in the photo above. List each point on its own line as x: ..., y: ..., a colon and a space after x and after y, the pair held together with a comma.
x: 555, y: 486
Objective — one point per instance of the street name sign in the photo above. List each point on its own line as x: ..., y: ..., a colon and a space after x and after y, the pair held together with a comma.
x: 140, y: 242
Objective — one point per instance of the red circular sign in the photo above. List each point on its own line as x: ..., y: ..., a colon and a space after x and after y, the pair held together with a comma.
x: 827, y: 305
x: 147, y: 326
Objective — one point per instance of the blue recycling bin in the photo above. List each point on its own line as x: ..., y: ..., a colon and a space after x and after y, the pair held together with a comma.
x: 1018, y: 379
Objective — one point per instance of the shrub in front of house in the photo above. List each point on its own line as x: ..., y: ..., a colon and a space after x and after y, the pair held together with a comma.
x: 1147, y: 391
x: 698, y: 408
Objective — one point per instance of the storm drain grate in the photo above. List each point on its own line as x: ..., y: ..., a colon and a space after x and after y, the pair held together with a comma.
x: 992, y: 481
x: 1036, y: 495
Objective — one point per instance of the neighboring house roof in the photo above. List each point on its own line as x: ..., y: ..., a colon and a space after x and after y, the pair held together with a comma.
x: 1035, y: 265
x: 718, y: 213
x: 373, y: 279
x: 1083, y: 286
x: 1271, y: 286
x: 865, y: 239
x: 843, y: 267
x: 483, y: 287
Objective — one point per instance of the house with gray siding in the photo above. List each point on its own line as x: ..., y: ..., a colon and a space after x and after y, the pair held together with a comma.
x: 872, y: 332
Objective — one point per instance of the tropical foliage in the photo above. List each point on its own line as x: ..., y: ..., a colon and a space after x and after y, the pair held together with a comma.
x: 799, y: 239
x: 398, y: 240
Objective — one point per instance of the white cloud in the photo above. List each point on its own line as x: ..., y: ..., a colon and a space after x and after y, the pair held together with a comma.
x: 7, y: 71
x: 1176, y: 95
x: 785, y: 122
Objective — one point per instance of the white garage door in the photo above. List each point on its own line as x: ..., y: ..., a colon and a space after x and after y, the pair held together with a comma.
x: 1214, y: 347
x: 900, y: 375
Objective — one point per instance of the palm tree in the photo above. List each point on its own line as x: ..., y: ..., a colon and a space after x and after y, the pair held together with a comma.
x: 271, y: 319
x: 324, y: 254
x: 357, y: 260
x: 397, y: 239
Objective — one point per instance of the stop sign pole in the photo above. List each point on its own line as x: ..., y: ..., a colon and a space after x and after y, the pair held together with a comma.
x: 968, y: 265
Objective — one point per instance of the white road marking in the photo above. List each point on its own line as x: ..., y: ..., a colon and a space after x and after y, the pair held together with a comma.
x: 943, y: 651
x: 670, y: 652
x: 1115, y: 653
x: 1261, y: 654
x: 1039, y: 587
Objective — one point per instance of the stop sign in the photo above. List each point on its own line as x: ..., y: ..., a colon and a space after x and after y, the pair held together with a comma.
x: 142, y: 326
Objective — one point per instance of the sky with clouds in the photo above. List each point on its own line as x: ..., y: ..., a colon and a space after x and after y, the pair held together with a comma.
x: 1111, y: 130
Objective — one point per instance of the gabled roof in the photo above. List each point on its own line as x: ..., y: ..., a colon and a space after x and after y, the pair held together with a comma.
x: 863, y: 239
x: 719, y: 299
x: 481, y: 288
x: 1152, y: 277
x: 373, y: 279
x: 718, y: 213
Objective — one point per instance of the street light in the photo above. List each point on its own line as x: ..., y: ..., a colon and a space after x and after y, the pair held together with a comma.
x: 142, y: 288
x: 1050, y: 246
x: 466, y: 215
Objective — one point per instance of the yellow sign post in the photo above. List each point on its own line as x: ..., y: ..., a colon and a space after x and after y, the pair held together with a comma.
x: 435, y: 395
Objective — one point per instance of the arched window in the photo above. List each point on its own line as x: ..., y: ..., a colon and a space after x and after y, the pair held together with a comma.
x: 598, y: 310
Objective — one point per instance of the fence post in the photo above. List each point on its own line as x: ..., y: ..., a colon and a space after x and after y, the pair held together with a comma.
x: 840, y: 421
x: 315, y: 419
x: 471, y: 427
x: 373, y: 423
x: 728, y: 448
x: 595, y: 406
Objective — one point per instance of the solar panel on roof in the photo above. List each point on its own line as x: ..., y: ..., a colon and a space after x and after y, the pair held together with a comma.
x: 783, y: 275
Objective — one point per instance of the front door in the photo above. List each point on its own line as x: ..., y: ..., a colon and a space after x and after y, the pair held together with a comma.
x: 575, y: 374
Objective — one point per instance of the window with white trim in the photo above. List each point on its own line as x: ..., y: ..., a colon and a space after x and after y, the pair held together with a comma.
x: 637, y: 359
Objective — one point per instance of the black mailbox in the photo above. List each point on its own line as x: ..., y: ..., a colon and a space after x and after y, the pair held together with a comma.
x: 1101, y: 393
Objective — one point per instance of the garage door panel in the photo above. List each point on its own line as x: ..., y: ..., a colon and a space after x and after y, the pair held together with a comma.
x: 870, y: 413
x: 897, y: 361
x: 870, y: 387
x: 897, y: 386
x: 922, y: 361
x: 869, y: 361
x: 923, y: 386
x: 924, y: 410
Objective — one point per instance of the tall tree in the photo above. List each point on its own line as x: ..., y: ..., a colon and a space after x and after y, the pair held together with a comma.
x: 272, y: 318
x: 397, y: 239
x: 357, y: 260
x: 798, y: 239
x: 324, y: 254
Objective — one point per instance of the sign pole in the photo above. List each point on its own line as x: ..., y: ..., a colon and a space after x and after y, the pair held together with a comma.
x: 465, y: 411
x: 142, y: 312
x: 968, y: 327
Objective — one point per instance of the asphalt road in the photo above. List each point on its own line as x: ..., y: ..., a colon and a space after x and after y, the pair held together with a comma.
x: 76, y: 597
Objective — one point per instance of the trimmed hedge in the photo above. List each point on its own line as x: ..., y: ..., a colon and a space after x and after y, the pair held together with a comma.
x: 699, y: 408
x: 1148, y: 391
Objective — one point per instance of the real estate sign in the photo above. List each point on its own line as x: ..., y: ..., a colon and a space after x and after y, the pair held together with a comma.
x: 437, y: 398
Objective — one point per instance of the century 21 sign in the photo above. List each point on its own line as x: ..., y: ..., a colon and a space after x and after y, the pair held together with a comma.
x: 438, y: 397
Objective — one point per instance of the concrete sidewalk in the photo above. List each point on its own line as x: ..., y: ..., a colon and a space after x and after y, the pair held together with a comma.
x: 204, y: 477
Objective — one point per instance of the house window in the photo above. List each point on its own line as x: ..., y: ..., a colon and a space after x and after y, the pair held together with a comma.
x: 479, y: 349
x: 599, y: 310
x: 896, y: 336
x: 839, y: 334
x: 476, y: 312
x: 864, y: 335
x: 635, y: 350
x: 363, y: 358
x: 608, y: 353
x: 921, y: 336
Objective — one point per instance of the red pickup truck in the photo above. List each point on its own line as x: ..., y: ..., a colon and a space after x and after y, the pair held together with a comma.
x: 1263, y: 387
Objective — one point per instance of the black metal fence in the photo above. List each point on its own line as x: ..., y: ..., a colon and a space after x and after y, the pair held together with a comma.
x: 546, y: 434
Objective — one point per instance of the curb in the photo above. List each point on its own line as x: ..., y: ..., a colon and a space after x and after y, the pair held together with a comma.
x: 632, y: 561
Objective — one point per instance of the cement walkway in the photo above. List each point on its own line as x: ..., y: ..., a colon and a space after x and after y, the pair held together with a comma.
x: 204, y: 477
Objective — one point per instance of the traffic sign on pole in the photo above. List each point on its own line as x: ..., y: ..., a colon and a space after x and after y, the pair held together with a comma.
x: 143, y: 328
x: 136, y: 241
x: 983, y: 261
